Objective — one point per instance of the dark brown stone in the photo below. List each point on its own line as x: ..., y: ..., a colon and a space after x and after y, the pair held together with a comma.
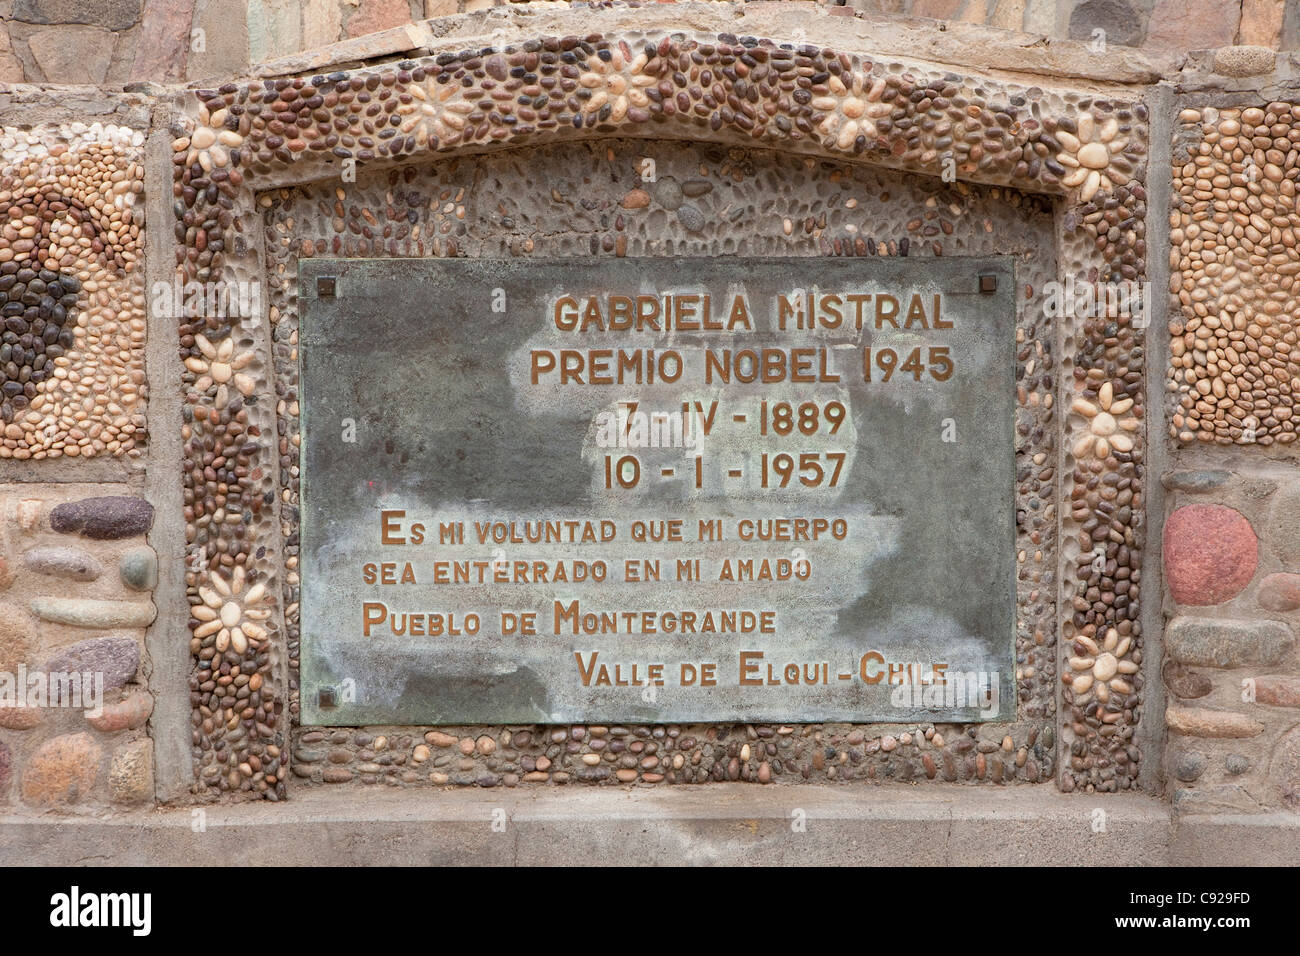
x: 1184, y: 682
x: 109, y: 14
x: 104, y: 518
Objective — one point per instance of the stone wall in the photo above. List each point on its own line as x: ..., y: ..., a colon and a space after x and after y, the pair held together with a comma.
x: 75, y: 585
x: 76, y: 570
x: 1230, y: 666
x: 1230, y: 551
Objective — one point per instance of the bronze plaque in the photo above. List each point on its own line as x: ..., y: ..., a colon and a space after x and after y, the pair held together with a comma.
x: 657, y: 490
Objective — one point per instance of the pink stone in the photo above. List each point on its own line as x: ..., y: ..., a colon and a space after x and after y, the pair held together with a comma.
x: 124, y: 715
x: 1278, y: 691
x: 1211, y: 553
x: 63, y: 770
x: 376, y: 15
x: 1280, y: 592
x: 1261, y: 22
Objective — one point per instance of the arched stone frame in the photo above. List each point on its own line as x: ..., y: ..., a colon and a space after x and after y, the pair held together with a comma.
x: 1082, y: 147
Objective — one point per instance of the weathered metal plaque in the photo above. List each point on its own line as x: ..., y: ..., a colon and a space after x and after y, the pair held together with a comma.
x: 657, y: 490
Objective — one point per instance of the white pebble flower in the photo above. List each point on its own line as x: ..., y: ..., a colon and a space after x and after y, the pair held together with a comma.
x: 1106, y: 428
x: 220, y: 365
x: 1092, y: 156
x: 1101, y: 669
x: 615, y: 83
x: 852, y: 109
x: 231, y: 613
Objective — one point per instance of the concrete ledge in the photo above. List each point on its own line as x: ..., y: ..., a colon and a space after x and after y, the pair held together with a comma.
x: 1271, y: 839
x: 723, y: 824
